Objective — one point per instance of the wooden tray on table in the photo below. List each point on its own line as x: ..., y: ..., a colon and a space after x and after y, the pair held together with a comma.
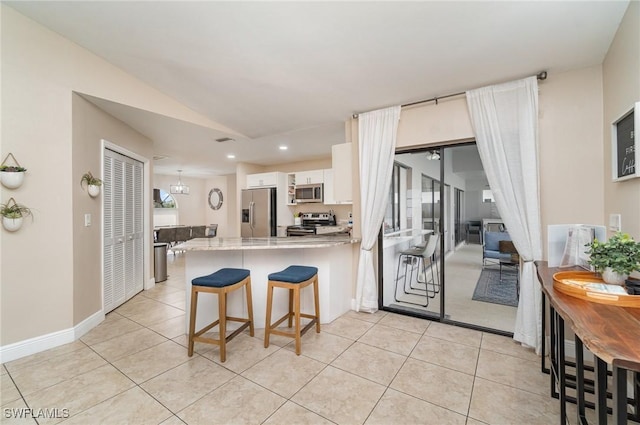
x: 589, y: 286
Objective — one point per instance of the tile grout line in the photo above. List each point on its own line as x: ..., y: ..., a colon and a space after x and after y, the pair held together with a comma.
x: 387, y: 387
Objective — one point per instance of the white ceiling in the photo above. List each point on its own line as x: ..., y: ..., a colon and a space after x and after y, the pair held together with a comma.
x: 293, y: 72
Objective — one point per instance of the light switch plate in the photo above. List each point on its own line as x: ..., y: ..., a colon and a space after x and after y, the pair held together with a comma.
x: 87, y: 220
x: 615, y: 222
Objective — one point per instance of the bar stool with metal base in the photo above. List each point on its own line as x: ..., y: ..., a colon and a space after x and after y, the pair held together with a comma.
x: 293, y: 278
x: 415, y: 262
x: 221, y: 283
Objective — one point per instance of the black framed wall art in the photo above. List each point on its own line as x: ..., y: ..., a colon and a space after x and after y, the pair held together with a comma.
x: 625, y: 145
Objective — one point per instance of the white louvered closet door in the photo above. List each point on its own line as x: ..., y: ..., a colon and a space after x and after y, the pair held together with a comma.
x: 123, y: 229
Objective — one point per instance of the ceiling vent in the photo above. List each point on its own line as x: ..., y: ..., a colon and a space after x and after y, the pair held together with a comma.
x: 224, y: 139
x: 159, y: 157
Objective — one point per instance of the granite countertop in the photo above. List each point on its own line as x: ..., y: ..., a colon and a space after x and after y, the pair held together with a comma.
x: 219, y: 244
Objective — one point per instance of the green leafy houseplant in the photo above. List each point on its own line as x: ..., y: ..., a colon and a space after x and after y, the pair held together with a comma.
x: 621, y: 253
x: 12, y: 215
x: 12, y: 176
x: 90, y: 180
x: 12, y: 169
x: 13, y: 210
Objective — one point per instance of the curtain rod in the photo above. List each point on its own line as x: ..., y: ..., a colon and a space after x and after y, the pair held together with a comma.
x: 540, y: 76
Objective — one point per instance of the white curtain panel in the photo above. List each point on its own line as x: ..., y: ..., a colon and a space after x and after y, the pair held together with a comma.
x: 377, y: 132
x: 505, y: 120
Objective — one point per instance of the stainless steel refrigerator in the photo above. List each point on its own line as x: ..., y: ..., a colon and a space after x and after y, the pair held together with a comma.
x: 258, y: 213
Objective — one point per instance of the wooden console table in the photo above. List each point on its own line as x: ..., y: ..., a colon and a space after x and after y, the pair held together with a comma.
x: 610, y: 333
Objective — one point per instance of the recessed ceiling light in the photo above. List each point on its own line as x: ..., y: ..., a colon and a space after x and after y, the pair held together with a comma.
x: 231, y: 156
x: 283, y: 148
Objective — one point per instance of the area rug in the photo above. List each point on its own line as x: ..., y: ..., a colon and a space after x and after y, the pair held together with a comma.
x: 491, y: 290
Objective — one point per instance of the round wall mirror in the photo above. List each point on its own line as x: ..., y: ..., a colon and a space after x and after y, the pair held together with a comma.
x: 215, y: 198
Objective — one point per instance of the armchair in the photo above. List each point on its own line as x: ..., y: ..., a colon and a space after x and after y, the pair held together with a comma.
x: 491, y: 248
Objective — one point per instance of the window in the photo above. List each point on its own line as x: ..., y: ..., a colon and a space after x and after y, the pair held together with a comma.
x: 162, y: 199
x: 430, y: 201
x: 398, y: 211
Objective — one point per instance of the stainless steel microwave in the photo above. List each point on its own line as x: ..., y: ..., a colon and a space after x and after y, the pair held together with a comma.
x: 309, y: 193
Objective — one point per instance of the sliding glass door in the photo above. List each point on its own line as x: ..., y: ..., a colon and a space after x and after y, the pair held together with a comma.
x: 410, y: 277
x: 438, y: 195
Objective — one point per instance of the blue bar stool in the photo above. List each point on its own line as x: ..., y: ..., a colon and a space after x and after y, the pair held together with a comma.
x: 293, y: 278
x: 221, y: 283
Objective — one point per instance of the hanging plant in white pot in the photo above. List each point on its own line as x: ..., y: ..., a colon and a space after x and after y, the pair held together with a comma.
x: 13, y: 215
x: 616, y: 258
x: 93, y: 184
x: 11, y: 176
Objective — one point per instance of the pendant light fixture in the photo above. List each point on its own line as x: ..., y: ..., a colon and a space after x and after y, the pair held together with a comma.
x: 181, y: 189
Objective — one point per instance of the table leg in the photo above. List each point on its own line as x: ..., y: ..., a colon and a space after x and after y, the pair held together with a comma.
x: 580, y: 401
x: 553, y: 354
x: 619, y: 395
x: 543, y: 365
x: 562, y: 375
x: 601, y: 391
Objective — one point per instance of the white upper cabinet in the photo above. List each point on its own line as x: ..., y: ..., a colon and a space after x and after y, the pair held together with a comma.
x: 341, y: 165
x: 309, y: 177
x: 262, y: 180
x: 280, y: 181
x: 328, y: 197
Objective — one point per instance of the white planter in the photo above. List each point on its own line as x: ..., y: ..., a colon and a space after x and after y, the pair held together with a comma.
x: 93, y: 190
x: 613, y: 278
x: 12, y: 224
x: 12, y: 179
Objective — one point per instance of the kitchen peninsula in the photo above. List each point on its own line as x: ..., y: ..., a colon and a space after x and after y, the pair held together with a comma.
x: 332, y: 255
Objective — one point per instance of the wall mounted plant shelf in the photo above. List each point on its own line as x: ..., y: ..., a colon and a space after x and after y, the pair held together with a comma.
x: 11, y: 176
x: 13, y: 215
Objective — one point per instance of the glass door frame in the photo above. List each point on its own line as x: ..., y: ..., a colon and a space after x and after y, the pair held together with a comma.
x: 441, y: 317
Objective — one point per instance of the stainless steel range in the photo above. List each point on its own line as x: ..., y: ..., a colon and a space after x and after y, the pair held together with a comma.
x: 320, y: 223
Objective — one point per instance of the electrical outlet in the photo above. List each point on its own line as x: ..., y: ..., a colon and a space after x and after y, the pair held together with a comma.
x: 87, y: 220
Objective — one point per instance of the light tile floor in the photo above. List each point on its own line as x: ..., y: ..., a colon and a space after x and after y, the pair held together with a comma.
x: 361, y: 369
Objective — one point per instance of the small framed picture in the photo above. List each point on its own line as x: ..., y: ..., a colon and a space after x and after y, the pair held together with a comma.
x: 625, y: 145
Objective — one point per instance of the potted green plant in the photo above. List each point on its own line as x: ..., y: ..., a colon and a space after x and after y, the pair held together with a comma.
x: 12, y: 176
x: 93, y: 184
x: 616, y: 258
x: 13, y: 214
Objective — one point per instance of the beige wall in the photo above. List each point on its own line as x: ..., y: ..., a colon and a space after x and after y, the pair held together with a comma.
x: 191, y: 207
x: 40, y: 72
x: 194, y: 210
x: 570, y: 126
x: 621, y: 72
x: 225, y: 217
x: 430, y: 124
x: 570, y: 131
x: 90, y: 126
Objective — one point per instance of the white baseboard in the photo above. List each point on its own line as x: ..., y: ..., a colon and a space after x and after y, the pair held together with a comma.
x: 44, y: 342
x: 87, y: 324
